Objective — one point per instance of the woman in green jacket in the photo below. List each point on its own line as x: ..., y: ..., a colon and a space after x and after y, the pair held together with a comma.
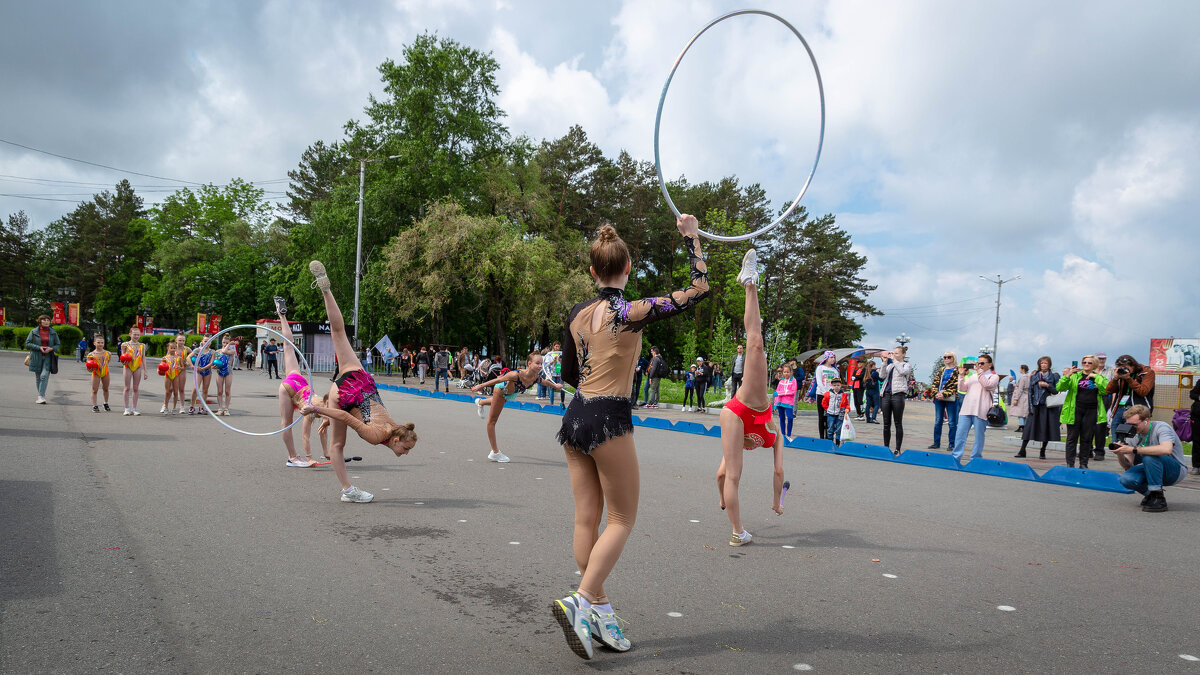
x: 1084, y: 409
x: 42, y: 342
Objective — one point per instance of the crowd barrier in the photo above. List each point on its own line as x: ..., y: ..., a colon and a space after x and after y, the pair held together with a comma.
x: 1060, y: 475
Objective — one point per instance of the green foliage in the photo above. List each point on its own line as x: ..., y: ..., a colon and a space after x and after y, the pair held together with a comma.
x: 6, y: 337
x: 68, y: 337
x: 20, y: 335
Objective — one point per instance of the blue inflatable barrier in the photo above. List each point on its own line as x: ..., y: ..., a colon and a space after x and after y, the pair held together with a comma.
x: 554, y: 409
x: 865, y: 451
x: 531, y: 407
x: 714, y: 430
x: 656, y: 423
x: 692, y: 428
x: 934, y: 460
x: 806, y: 443
x: 995, y: 467
x: 1092, y: 480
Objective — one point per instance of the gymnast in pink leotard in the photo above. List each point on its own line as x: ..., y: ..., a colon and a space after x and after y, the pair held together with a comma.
x: 295, y: 392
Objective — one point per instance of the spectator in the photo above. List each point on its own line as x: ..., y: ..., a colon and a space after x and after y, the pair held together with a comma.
x: 1102, y: 430
x: 262, y: 361
x: 1041, y: 424
x: 1195, y: 396
x: 553, y: 367
x: 638, y: 373
x: 82, y: 348
x: 272, y: 351
x: 835, y: 403
x: 1083, y: 409
x: 1153, y: 460
x: 653, y: 377
x: 718, y: 376
x: 42, y: 343
x: 858, y: 376
x: 945, y: 399
x: 689, y: 390
x: 250, y: 354
x: 979, y: 390
x: 1132, y: 384
x: 441, y: 364
x: 823, y: 375
x: 739, y: 366
x: 422, y: 362
x: 896, y: 374
x: 785, y: 400
x: 703, y: 379
x: 460, y: 363
x: 871, y: 392
x: 1019, y: 406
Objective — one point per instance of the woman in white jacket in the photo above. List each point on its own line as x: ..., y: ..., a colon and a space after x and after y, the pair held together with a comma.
x: 978, y: 388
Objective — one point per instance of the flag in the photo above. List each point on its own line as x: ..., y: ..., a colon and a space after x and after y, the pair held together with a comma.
x: 73, y: 314
x: 59, y: 317
x: 386, y: 348
x: 141, y: 322
x: 214, y: 323
x: 201, y: 323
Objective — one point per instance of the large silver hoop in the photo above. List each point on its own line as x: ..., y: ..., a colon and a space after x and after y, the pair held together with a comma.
x: 663, y: 97
x: 299, y: 356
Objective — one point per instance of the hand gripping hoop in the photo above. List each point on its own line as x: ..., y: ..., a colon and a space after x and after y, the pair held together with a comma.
x: 662, y: 99
x: 299, y: 356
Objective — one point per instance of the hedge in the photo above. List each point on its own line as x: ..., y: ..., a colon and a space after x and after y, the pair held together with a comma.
x: 13, y: 337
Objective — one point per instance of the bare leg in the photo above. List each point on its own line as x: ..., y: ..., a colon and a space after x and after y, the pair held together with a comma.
x: 104, y: 382
x: 589, y: 504
x: 228, y: 389
x: 128, y: 387
x: 95, y: 386
x: 732, y: 433
x: 617, y: 468
x: 497, y: 403
x: 291, y: 363
x: 753, y: 391
x: 336, y: 457
x: 287, y: 413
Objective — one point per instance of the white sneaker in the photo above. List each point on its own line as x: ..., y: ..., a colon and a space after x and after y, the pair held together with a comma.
x: 749, y: 273
x: 479, y: 407
x: 300, y: 463
x: 356, y: 494
x: 126, y: 413
x: 320, y: 281
x: 162, y: 410
x: 607, y: 632
x: 134, y: 412
x: 575, y: 623
x: 740, y: 539
x: 498, y: 457
x: 41, y: 400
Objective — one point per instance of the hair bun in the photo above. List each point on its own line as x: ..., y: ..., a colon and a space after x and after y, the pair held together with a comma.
x: 606, y: 233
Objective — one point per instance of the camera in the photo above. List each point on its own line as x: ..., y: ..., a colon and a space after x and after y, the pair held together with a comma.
x: 1122, y: 371
x: 1121, y: 435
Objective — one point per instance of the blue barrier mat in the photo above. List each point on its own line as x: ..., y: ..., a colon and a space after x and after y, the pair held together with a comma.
x: 935, y: 460
x: 656, y: 423
x: 692, y: 428
x: 995, y: 467
x: 806, y: 443
x: 865, y: 451
x: 1084, y: 478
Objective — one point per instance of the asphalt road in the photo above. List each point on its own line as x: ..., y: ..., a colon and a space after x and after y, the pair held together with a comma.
x: 169, y: 544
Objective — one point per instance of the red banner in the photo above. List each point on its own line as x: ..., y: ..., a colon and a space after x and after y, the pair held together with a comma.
x: 1, y: 316
x: 73, y: 313
x: 214, y: 323
x: 141, y: 324
x: 202, y: 323
x: 149, y: 324
x: 1173, y: 355
x: 59, y: 317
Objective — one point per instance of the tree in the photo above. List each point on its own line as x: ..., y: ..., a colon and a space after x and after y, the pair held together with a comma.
x: 16, y: 277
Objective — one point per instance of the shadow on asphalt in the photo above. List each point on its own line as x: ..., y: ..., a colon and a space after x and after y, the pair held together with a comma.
x: 29, y: 556
x: 73, y: 435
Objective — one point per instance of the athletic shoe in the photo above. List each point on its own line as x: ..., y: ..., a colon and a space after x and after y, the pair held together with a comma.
x: 162, y: 410
x: 41, y: 400
x: 575, y: 624
x: 95, y: 408
x: 225, y: 412
x: 126, y: 413
x: 607, y: 632
x: 498, y: 457
x: 192, y: 410
x: 318, y: 270
x: 303, y: 464
x: 749, y: 273
x: 740, y: 539
x: 356, y: 494
x: 134, y: 412
x: 106, y: 408
x: 280, y: 306
x: 1155, y: 502
x: 1195, y: 471
x: 479, y: 406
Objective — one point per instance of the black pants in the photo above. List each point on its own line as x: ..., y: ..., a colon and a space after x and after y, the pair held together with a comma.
x: 689, y: 395
x: 1101, y: 440
x: 637, y: 386
x: 858, y: 400
x: 893, y: 408
x: 272, y: 365
x: 736, y: 378
x: 821, y: 423
x: 1083, y: 434
x: 701, y: 387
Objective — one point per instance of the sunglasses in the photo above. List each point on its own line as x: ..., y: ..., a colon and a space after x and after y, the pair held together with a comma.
x: 1089, y: 363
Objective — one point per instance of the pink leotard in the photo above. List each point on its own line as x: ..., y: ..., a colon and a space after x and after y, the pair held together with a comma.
x: 299, y: 385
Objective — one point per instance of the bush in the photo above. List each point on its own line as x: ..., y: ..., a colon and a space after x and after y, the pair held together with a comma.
x: 15, y: 337
x: 6, y: 337
x: 20, y: 334
x: 157, y: 344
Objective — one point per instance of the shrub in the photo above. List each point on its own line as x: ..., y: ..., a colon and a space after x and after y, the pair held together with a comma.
x: 20, y: 334
x: 68, y: 336
x: 6, y: 338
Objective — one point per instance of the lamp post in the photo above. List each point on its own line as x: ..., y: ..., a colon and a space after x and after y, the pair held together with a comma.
x: 996, y: 330
x: 987, y: 349
x: 362, y: 179
x: 903, y: 340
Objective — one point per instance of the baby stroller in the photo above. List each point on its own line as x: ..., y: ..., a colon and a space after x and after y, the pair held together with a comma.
x: 479, y: 374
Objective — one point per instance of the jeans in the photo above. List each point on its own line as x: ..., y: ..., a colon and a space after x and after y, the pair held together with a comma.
x: 834, y: 427
x: 652, y: 390
x: 439, y: 375
x: 950, y: 408
x: 785, y: 419
x: 873, y: 403
x: 43, y: 378
x: 541, y: 390
x: 965, y: 424
x: 1152, y: 473
x: 561, y: 395
x: 646, y: 393
x: 637, y: 386
x: 893, y: 409
x: 737, y: 382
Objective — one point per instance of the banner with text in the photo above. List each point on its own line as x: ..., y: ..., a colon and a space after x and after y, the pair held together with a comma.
x: 73, y: 313
x: 202, y: 323
x: 1169, y: 355
x: 59, y: 317
x: 214, y: 323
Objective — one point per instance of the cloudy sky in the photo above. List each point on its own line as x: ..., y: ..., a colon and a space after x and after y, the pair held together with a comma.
x: 1055, y: 141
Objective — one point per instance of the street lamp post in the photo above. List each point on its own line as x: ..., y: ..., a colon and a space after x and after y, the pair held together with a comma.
x: 996, y: 330
x: 362, y: 179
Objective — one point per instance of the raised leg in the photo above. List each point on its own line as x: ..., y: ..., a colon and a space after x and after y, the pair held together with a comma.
x: 753, y: 391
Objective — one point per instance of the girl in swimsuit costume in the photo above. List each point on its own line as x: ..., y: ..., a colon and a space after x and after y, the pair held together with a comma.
x: 294, y: 393
x: 133, y: 355
x: 507, y: 387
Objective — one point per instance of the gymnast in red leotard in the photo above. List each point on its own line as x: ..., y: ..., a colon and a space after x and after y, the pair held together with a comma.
x: 746, y: 421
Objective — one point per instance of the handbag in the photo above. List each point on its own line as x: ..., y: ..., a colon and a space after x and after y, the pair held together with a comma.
x: 27, y: 356
x: 53, y: 363
x: 1056, y: 400
x: 996, y: 416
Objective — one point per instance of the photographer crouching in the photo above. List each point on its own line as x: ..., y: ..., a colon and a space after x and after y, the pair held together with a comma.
x: 1151, y: 455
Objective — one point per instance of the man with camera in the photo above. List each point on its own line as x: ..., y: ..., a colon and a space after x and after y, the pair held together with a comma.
x: 1151, y: 455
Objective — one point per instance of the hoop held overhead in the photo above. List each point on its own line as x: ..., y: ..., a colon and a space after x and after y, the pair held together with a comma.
x: 299, y: 356
x: 663, y: 97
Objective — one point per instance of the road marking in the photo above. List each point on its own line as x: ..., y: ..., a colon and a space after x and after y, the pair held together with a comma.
x: 674, y: 615
x: 462, y: 521
x: 387, y: 488
x: 419, y: 503
x: 890, y: 576
x: 1006, y: 608
x: 786, y: 546
x: 802, y: 666
x: 1189, y: 657
x: 693, y: 521
x: 515, y: 543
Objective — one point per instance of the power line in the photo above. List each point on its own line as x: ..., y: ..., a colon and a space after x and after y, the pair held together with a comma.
x: 940, y: 304
x: 102, y: 166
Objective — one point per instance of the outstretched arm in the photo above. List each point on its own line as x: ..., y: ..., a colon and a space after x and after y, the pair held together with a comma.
x: 371, y: 434
x: 637, y: 315
x: 507, y: 377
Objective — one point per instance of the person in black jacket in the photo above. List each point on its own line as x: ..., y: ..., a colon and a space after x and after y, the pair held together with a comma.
x: 704, y: 373
x: 1195, y: 396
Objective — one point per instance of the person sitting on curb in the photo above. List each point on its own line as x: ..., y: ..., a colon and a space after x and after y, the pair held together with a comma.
x: 1153, y: 461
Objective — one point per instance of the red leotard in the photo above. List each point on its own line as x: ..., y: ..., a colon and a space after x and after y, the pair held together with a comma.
x: 754, y: 422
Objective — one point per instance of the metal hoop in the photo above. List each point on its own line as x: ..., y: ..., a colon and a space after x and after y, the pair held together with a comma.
x: 299, y: 355
x: 662, y: 99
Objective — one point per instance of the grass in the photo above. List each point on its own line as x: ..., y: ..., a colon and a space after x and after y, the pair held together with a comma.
x: 671, y: 391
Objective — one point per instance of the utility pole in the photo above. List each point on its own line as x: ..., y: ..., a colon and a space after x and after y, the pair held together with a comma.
x: 362, y: 179
x: 996, y: 331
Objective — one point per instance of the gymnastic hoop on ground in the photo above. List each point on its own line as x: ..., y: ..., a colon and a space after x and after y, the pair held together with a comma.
x: 299, y: 356
x: 662, y: 184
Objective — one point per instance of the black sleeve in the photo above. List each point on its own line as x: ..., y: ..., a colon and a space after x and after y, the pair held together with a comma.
x: 569, y: 360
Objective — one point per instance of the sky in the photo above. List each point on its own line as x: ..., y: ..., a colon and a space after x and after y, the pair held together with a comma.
x: 1058, y: 142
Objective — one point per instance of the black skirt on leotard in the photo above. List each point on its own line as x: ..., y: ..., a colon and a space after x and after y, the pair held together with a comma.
x: 590, y: 422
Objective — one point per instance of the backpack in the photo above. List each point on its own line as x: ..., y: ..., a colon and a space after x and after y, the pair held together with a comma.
x: 1182, y: 423
x: 662, y: 370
